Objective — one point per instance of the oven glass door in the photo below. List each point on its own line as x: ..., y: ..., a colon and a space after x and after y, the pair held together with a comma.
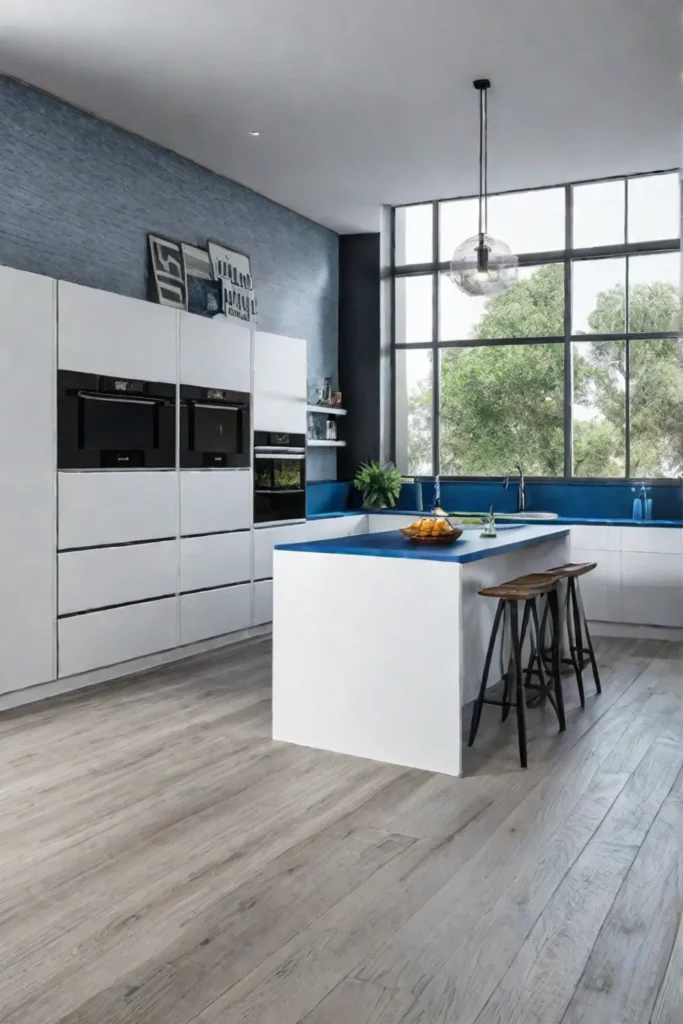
x: 279, y: 488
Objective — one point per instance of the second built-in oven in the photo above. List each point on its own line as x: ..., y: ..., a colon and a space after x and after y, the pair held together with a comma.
x: 279, y: 477
x: 214, y: 428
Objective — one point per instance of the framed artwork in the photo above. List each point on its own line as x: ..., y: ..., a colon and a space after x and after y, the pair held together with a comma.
x: 233, y: 270
x: 212, y: 281
x: 168, y: 270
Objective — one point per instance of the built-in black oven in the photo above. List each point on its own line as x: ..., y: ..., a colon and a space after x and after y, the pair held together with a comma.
x: 214, y: 428
x: 279, y: 477
x: 114, y: 423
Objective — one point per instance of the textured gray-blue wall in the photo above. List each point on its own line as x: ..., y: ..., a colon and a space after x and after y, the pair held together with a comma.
x: 78, y: 197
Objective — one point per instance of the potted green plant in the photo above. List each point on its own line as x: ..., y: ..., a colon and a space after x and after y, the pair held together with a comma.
x: 379, y: 485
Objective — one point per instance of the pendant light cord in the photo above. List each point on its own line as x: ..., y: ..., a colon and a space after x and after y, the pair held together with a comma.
x: 481, y: 162
x: 482, y: 85
x: 485, y: 104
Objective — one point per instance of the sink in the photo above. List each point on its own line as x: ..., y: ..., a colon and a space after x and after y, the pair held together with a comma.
x: 532, y: 515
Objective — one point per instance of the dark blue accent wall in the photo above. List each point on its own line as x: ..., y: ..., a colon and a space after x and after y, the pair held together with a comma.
x: 78, y: 197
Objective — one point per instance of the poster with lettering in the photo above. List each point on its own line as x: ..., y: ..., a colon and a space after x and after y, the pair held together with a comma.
x: 233, y: 270
x: 169, y: 272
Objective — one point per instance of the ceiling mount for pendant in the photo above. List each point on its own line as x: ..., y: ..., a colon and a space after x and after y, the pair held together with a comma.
x: 483, y: 265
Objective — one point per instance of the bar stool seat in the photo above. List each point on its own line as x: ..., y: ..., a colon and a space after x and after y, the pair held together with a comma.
x: 526, y: 589
x: 577, y: 623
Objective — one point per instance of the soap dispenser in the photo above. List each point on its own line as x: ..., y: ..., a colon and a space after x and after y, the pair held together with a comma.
x: 647, y: 502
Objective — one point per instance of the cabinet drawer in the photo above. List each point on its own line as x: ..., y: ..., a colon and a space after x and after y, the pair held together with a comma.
x: 108, y: 637
x: 97, y: 509
x: 215, y: 561
x: 214, y: 500
x: 263, y: 602
x: 100, y: 332
x: 105, y: 576
x: 214, y: 353
x: 214, y: 613
x: 657, y: 540
x: 264, y: 542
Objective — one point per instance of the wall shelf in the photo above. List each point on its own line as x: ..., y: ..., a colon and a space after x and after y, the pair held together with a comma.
x: 325, y: 444
x: 331, y: 410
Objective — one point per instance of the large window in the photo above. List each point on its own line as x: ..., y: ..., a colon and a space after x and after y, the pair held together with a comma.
x: 577, y: 369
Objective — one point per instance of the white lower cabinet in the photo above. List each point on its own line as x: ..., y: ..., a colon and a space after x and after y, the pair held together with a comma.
x: 265, y: 540
x: 214, y: 500
x: 100, y: 577
x: 601, y: 588
x: 386, y: 523
x: 652, y: 589
x: 336, y: 526
x: 101, y: 508
x: 214, y: 613
x: 263, y: 602
x: 215, y: 560
x: 97, y: 639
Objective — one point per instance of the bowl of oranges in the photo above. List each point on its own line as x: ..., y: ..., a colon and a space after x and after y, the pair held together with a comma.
x: 432, y: 531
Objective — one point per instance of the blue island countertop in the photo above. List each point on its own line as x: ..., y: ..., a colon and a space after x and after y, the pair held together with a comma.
x: 468, y: 548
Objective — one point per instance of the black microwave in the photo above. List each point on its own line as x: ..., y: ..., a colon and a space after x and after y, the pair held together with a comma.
x: 114, y: 422
x: 214, y: 428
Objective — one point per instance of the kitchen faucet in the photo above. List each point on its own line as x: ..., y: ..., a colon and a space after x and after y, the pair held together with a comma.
x: 521, y: 487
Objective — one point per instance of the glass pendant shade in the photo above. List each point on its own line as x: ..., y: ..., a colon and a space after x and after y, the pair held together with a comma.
x: 486, y: 267
x: 483, y: 265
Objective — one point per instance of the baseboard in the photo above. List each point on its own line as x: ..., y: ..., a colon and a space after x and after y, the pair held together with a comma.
x: 17, y: 698
x: 629, y: 631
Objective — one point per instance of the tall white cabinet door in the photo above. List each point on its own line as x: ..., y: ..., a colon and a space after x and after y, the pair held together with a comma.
x: 27, y: 471
x: 214, y: 353
x: 100, y: 332
x: 266, y: 540
x: 280, y: 383
x: 214, y: 500
x: 652, y: 588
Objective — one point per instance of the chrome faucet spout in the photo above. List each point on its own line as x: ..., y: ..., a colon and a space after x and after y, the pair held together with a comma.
x: 521, y: 487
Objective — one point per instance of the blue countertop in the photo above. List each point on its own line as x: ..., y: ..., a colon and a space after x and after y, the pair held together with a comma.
x: 561, y: 520
x: 468, y: 548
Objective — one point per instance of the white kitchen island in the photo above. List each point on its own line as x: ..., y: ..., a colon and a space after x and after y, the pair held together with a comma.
x: 378, y: 642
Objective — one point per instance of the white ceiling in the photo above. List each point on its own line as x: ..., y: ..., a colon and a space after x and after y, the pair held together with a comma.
x: 364, y: 102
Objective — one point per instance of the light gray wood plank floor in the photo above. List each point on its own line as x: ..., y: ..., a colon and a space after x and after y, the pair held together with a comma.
x: 165, y: 862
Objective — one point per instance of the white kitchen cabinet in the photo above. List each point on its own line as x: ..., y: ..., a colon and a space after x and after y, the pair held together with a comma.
x: 101, y: 508
x: 336, y: 526
x: 100, y: 577
x: 214, y: 613
x: 385, y: 523
x: 280, y: 383
x: 652, y: 588
x: 263, y: 602
x: 215, y: 560
x: 100, y: 332
x: 215, y: 500
x: 214, y: 353
x: 96, y: 639
x: 265, y: 540
x: 651, y: 539
x: 27, y: 470
x: 595, y: 538
x: 601, y: 588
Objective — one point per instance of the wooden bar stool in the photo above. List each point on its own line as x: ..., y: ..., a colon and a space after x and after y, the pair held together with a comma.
x: 526, y: 589
x: 577, y: 624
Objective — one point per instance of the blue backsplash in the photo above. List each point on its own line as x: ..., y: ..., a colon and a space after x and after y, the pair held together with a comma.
x: 78, y: 197
x: 571, y: 498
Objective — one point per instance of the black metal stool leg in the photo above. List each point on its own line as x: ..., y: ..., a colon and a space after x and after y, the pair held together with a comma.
x: 589, y: 641
x: 573, y: 612
x: 507, y: 682
x: 554, y: 606
x: 519, y: 681
x: 478, y: 704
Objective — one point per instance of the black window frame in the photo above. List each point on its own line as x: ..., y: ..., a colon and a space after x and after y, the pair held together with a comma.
x: 567, y: 256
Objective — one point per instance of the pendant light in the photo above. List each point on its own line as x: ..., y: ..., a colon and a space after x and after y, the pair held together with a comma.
x: 483, y: 265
